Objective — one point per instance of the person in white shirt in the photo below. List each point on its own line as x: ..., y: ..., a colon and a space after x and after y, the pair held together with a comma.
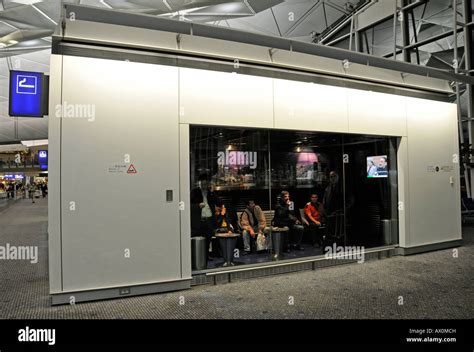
x: 203, y: 205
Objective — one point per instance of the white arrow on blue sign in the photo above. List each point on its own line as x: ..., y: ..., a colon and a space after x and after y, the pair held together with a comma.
x: 26, y: 84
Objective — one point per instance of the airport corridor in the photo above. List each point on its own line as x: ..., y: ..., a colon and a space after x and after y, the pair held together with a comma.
x: 432, y: 285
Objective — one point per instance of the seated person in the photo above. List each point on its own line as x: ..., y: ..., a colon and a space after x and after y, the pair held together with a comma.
x: 285, y: 216
x: 253, y: 223
x: 223, y: 224
x: 312, y: 211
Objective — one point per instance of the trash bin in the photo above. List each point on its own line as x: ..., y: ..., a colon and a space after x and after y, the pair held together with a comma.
x: 277, y: 241
x: 387, y: 231
x: 394, y: 234
x: 198, y: 253
x: 228, y: 241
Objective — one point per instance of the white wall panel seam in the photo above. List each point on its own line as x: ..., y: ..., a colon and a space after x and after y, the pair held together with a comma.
x: 178, y: 193
x: 273, y: 101
x: 60, y: 173
x: 406, y: 181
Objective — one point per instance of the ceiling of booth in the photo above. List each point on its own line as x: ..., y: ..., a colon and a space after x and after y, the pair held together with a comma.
x: 26, y: 27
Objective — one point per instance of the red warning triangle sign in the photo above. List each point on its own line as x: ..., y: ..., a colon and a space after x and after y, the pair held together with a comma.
x: 131, y: 169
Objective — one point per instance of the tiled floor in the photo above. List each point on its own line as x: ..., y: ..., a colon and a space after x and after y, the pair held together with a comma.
x: 432, y: 285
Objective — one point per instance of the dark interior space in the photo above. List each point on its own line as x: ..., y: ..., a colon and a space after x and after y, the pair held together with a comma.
x: 357, y: 209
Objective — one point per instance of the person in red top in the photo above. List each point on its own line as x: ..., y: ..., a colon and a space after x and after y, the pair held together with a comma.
x: 312, y: 212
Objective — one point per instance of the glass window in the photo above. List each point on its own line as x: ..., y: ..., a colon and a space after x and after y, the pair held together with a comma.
x: 301, y: 164
x: 229, y: 169
x: 370, y: 191
x: 261, y: 195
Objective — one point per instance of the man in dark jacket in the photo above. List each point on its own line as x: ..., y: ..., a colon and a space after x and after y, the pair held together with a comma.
x: 333, y: 200
x: 203, y: 206
x: 285, y: 216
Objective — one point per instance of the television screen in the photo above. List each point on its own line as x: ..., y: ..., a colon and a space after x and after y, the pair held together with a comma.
x: 377, y: 166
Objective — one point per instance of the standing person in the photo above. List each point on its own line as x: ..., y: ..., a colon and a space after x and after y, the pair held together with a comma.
x: 203, y: 205
x: 16, y: 190
x: 32, y: 192
x: 312, y: 211
x: 44, y: 189
x: 285, y: 216
x: 253, y: 223
x: 335, y: 208
x: 333, y: 200
x: 10, y: 190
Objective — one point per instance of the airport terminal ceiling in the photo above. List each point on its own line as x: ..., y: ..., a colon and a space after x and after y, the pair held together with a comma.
x: 26, y: 27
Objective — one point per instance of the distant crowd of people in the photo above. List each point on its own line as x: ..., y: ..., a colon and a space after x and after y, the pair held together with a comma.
x: 18, y: 189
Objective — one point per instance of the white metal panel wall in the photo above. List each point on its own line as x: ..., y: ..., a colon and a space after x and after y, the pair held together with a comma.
x: 136, y: 113
x: 230, y: 99
x: 309, y: 106
x: 137, y: 107
x: 376, y: 113
x: 434, y: 201
x: 54, y: 167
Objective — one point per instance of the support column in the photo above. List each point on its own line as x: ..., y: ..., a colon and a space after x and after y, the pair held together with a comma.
x: 467, y: 14
x: 405, y: 33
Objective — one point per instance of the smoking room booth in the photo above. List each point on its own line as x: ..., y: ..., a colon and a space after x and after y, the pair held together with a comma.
x: 159, y: 126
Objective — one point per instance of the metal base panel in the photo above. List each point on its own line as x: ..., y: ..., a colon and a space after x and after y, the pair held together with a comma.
x: 217, y: 276
x: 429, y: 247
x: 118, y: 292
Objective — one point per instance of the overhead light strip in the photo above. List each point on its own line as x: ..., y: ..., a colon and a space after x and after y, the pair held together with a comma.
x: 105, y: 4
x: 168, y: 5
x: 250, y: 7
x: 44, y: 14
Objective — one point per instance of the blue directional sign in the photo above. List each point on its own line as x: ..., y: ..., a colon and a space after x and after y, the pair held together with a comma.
x: 27, y: 94
x: 43, y: 155
x: 43, y: 158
